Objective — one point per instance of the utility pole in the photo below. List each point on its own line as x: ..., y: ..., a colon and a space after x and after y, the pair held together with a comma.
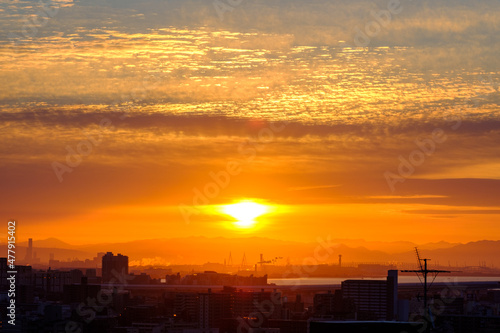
x: 424, y: 270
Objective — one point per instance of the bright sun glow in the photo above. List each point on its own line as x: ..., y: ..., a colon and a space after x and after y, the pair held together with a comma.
x: 245, y: 212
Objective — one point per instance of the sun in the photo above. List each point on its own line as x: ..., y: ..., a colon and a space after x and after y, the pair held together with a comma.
x: 245, y: 212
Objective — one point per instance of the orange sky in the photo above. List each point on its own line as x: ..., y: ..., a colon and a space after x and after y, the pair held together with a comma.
x: 133, y: 128
x: 318, y: 183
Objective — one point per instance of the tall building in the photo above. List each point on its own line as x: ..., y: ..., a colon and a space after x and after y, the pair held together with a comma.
x: 333, y: 305
x: 186, y: 306
x: 392, y: 295
x: 214, y: 308
x: 245, y: 303
x: 113, y: 267
x: 29, y: 251
x: 374, y: 299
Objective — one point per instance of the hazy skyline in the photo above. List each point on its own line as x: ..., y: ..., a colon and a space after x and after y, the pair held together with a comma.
x: 116, y: 115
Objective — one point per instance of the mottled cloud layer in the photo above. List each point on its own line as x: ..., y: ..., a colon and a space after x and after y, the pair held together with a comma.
x: 114, y: 111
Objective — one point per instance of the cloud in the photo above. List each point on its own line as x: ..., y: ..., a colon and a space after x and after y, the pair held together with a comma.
x: 454, y: 211
x: 196, y: 90
x: 305, y: 188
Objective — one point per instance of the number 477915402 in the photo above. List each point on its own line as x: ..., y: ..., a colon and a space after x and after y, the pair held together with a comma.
x: 11, y: 244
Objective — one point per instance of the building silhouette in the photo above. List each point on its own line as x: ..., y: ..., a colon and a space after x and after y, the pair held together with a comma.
x: 79, y: 293
x: 333, y: 305
x: 213, y: 308
x: 29, y: 251
x: 114, y: 267
x: 374, y: 299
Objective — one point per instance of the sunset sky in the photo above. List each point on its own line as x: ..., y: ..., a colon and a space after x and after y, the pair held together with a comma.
x: 123, y: 120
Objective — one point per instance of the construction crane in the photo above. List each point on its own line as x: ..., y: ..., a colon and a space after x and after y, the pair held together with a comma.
x: 262, y: 261
x: 276, y: 259
x: 424, y: 271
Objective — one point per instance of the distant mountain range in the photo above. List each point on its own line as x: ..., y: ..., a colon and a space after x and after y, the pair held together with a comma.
x: 199, y: 250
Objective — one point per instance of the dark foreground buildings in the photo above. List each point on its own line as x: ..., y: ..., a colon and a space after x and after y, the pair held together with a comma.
x: 82, y: 301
